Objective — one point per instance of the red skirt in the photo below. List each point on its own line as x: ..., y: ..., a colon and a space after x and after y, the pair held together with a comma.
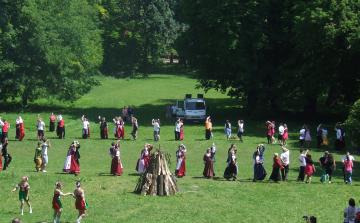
x: 88, y: 132
x: 116, y: 168
x: 74, y: 166
x: 0, y: 163
x: 21, y: 134
x: 55, y: 204
x: 181, y: 134
x: 80, y: 204
x: 181, y: 172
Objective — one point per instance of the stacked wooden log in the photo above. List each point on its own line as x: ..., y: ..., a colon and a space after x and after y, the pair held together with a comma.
x: 157, y: 179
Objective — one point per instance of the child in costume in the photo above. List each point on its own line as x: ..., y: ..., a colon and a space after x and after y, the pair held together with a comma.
x: 23, y: 193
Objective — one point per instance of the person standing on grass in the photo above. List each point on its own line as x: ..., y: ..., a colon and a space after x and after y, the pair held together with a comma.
x: 181, y: 130
x: 302, y: 136
x: 330, y: 165
x: 103, y: 128
x: 232, y: 168
x: 273, y: 140
x: 130, y: 112
x: 156, y: 125
x: 116, y: 165
x: 23, y: 193
x: 158, y: 120
x: 281, y: 134
x: 80, y: 202
x: 285, y: 161
x: 207, y: 128
x: 135, y: 128
x: 308, y: 136
x: 143, y: 162
x: 208, y: 168
x: 324, y: 134
x: 60, y: 127
x: 40, y: 127
x: 56, y: 203
x: 45, y: 145
x: 310, y: 168
x: 5, y: 154
x: 258, y: 167
x: 286, y: 135
x: 180, y: 170
x: 228, y: 129
x: 21, y: 129
x: 174, y: 110
x: 213, y: 151
x: 38, y: 157
x: 319, y: 135
x: 86, y: 125
x: 241, y: 130
x: 345, y: 158
x: 168, y: 113
x: 5, y: 129
x: 52, y: 122
x: 323, y: 167
x: 350, y: 212
x: 275, y: 175
x: 71, y: 165
x: 177, y: 129
x: 268, y: 125
x: 338, y: 137
x: 117, y: 130
x: 348, y: 163
x: 302, y: 159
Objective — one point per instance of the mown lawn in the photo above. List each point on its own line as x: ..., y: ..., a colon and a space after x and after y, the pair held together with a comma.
x: 111, y: 199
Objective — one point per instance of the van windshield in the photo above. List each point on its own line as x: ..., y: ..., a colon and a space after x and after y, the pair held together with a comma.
x: 195, y: 105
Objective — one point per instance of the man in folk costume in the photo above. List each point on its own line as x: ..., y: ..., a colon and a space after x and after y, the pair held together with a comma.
x: 103, y: 128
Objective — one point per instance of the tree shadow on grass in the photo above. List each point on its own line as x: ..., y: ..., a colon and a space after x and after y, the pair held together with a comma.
x: 134, y: 174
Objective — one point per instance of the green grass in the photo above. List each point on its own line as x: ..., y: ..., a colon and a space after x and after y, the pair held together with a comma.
x: 111, y: 199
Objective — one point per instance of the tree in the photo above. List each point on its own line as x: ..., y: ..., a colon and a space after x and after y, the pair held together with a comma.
x: 48, y: 48
x: 137, y: 33
x: 353, y: 123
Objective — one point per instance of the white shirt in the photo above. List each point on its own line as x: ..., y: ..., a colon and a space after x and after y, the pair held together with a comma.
x: 41, y: 125
x: 302, y: 134
x: 44, y: 149
x: 338, y: 134
x: 174, y: 109
x: 302, y: 158
x: 177, y: 126
x: 281, y: 130
x: 1, y: 123
x: 285, y: 156
x: 241, y: 127
x: 324, y: 132
x: 156, y: 126
x: 351, y: 158
x: 85, y: 124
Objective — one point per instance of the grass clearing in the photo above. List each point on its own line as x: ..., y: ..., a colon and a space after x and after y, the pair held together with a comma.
x: 111, y: 199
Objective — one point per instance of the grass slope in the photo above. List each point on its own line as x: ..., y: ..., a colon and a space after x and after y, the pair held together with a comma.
x: 111, y: 199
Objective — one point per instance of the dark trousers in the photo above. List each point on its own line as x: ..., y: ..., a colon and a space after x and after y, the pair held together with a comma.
x: 337, y: 144
x: 207, y: 134
x: 268, y: 138
x: 8, y: 159
x: 329, y: 172
x: 4, y: 136
x: 133, y: 133
x: 301, y: 142
x: 319, y: 141
x: 301, y: 173
x: 284, y: 173
x: 343, y: 170
x: 40, y: 134
x: 239, y: 134
x: 52, y: 126
x: 62, y: 132
x: 177, y: 135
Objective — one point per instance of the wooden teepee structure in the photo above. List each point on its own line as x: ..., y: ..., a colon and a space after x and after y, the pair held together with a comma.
x: 157, y: 180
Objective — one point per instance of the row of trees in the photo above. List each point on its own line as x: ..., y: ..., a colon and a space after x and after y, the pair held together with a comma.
x: 273, y: 54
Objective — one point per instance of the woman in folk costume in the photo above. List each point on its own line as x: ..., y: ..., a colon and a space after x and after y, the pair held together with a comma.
x: 103, y: 128
x: 213, y: 151
x: 116, y: 165
x: 38, y: 157
x: 209, y: 168
x: 119, y: 128
x: 70, y: 165
x: 21, y: 131
x: 23, y: 193
x: 122, y: 130
x: 60, y: 127
x: 258, y: 167
x: 232, y: 168
x: 286, y: 134
x: 143, y: 162
x: 80, y: 202
x: 275, y: 175
x: 125, y: 114
x: 52, y: 122
x: 56, y: 203
x: 181, y: 130
x: 180, y: 165
x: 324, y: 136
x: 342, y: 142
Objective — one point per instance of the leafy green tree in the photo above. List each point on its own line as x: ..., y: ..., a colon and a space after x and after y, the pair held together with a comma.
x: 137, y: 33
x: 48, y: 48
x: 353, y: 123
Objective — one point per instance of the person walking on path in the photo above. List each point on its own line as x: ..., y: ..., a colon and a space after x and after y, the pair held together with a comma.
x: 23, y: 194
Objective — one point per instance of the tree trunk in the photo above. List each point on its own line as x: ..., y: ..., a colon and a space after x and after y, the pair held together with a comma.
x: 171, y: 58
x: 310, y: 107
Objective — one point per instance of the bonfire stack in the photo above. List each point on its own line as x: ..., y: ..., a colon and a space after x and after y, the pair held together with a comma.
x: 157, y: 180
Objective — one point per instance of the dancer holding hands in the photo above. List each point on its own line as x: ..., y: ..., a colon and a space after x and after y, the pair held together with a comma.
x: 57, y: 206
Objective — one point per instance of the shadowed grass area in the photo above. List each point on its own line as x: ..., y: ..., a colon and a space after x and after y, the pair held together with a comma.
x: 111, y: 199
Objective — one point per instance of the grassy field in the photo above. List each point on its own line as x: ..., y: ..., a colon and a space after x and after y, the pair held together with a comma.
x: 111, y: 199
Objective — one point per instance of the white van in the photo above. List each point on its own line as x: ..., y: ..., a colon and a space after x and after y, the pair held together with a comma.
x: 191, y: 109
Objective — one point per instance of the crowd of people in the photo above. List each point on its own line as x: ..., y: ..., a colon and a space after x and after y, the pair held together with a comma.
x: 281, y: 163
